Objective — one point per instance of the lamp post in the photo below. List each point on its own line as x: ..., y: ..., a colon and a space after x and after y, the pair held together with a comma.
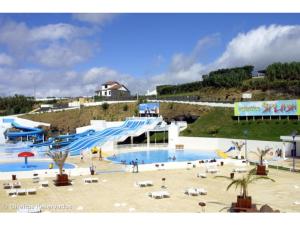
x: 246, y: 150
x: 294, y: 149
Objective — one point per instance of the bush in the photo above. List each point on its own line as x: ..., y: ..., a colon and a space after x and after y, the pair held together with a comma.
x: 213, y: 130
x: 125, y: 108
x: 105, y: 106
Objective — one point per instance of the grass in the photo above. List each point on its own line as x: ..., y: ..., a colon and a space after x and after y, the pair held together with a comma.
x: 219, y: 123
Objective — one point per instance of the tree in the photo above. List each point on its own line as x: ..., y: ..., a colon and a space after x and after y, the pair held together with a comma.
x: 261, y: 153
x: 59, y: 158
x: 125, y: 108
x: 244, y: 181
x: 105, y: 106
x: 239, y: 146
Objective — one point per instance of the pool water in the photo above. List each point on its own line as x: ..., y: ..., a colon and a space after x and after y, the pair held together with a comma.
x: 33, y: 165
x: 159, y: 156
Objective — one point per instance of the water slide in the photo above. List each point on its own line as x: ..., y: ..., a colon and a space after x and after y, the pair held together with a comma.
x: 130, y: 127
x: 25, y: 132
x: 63, y: 140
x: 223, y: 154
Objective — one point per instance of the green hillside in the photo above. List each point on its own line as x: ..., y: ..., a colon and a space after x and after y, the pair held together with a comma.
x: 219, y: 123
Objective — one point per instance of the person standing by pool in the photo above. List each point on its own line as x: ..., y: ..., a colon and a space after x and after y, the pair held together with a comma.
x: 137, y: 165
x: 100, y: 154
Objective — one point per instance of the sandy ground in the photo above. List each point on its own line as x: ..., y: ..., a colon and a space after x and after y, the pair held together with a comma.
x: 116, y: 192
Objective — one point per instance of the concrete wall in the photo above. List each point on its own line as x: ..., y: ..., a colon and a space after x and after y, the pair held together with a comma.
x: 108, y: 102
x: 202, y: 143
x: 212, y: 104
x: 99, y: 125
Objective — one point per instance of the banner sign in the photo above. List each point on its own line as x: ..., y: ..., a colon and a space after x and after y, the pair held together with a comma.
x: 267, y: 108
x: 149, y: 108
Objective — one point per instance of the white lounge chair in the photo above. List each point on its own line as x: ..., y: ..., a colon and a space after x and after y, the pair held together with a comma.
x: 144, y: 183
x: 21, y: 192
x: 35, y: 179
x: 11, y: 192
x: 35, y: 209
x: 212, y: 170
x: 7, y: 185
x: 44, y: 183
x: 240, y: 170
x: 95, y: 180
x: 31, y: 191
x: 17, y: 185
x: 195, y: 191
x: 87, y: 180
x: 159, y: 194
x: 202, y: 175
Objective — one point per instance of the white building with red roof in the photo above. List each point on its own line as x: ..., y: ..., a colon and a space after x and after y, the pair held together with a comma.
x: 113, y: 89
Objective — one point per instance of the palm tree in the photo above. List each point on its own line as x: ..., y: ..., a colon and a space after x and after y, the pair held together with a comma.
x: 239, y: 147
x: 261, y: 153
x: 244, y: 181
x: 59, y: 159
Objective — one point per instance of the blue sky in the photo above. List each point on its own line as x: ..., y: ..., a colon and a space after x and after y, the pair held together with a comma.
x: 141, y: 50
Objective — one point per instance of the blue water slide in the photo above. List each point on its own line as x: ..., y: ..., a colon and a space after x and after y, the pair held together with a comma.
x: 230, y: 149
x: 105, y: 135
x: 66, y: 139
x: 24, y: 132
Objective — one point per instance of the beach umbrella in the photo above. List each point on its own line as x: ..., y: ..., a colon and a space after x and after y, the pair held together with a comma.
x: 25, y: 155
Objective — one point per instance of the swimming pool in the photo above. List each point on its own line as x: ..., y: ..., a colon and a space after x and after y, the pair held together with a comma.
x: 32, y: 165
x: 158, y: 156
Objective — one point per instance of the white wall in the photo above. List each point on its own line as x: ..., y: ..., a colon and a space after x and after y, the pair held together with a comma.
x: 108, y: 102
x: 212, y: 104
x: 202, y: 143
x: 99, y: 125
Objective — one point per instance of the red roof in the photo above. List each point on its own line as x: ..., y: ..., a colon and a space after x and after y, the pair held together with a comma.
x: 25, y: 154
x: 111, y: 82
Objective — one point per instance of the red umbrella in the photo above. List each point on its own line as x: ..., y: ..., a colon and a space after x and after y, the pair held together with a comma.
x: 25, y: 155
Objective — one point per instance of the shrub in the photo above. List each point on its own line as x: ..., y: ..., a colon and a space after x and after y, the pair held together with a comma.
x: 105, y: 106
x: 125, y: 108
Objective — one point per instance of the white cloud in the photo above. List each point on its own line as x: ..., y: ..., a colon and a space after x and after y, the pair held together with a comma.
x: 6, y: 60
x: 262, y: 46
x: 94, y: 18
x: 52, y: 45
x: 64, y: 55
x: 56, y: 32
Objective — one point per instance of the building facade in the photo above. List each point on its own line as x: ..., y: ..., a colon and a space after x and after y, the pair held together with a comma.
x: 113, y: 90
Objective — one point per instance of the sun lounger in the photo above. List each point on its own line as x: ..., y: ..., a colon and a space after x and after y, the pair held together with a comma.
x: 202, y: 175
x: 35, y: 209
x: 31, y: 191
x: 159, y: 194
x: 94, y: 180
x: 17, y: 185
x: 7, y: 185
x: 44, y: 183
x: 212, y: 170
x: 11, y: 192
x: 35, y: 179
x: 21, y: 192
x: 195, y: 191
x: 87, y: 180
x: 144, y: 183
x: 240, y: 170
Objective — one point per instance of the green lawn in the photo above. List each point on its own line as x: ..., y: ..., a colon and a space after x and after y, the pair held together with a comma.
x: 219, y: 123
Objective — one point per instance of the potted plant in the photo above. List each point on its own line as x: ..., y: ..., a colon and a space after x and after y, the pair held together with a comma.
x: 59, y: 159
x: 239, y: 146
x: 261, y: 168
x: 92, y: 169
x: 244, y: 200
